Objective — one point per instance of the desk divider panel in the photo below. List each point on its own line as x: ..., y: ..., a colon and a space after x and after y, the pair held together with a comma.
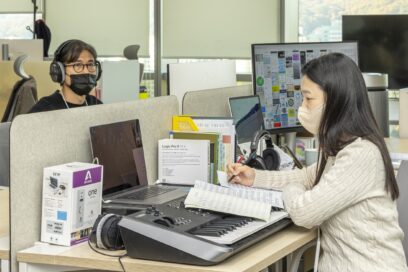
x: 49, y: 138
x: 213, y: 102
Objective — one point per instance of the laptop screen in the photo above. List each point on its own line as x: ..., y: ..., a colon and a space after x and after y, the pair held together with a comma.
x: 247, y: 114
x: 118, y: 147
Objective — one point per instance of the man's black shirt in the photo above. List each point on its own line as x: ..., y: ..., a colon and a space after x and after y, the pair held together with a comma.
x: 56, y: 102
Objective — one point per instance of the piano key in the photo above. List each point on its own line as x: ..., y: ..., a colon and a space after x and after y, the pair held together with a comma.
x: 208, y: 233
x: 245, y: 230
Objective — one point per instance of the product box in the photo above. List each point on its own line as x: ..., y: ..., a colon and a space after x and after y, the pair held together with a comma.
x: 71, y: 202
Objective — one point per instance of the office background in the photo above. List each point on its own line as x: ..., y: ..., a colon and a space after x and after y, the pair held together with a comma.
x: 177, y: 31
x: 175, y: 24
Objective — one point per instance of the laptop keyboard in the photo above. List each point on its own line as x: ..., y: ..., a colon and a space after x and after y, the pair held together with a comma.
x: 147, y: 193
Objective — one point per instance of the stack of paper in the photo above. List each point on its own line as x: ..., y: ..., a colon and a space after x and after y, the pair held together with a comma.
x: 251, y: 202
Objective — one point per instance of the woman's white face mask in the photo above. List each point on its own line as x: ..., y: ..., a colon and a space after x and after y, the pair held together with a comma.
x: 310, y: 119
x: 311, y: 111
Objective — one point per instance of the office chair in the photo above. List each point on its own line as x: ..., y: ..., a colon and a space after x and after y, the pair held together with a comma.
x: 131, y: 53
x: 24, y: 93
x: 402, y: 201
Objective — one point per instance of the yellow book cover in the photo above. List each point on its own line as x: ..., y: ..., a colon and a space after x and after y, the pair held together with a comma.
x: 184, y: 123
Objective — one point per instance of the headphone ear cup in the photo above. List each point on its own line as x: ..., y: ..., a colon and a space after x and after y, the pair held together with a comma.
x: 93, y: 237
x: 110, y: 233
x: 271, y: 159
x: 99, y: 70
x: 256, y: 162
x: 105, y: 232
x: 57, y: 72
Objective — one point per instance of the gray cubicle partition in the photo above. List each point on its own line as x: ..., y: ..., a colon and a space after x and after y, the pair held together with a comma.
x: 50, y: 138
x: 213, y: 102
x: 4, y: 153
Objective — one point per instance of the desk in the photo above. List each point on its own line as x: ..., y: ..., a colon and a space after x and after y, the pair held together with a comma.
x: 397, y: 145
x: 4, y: 228
x: 44, y: 257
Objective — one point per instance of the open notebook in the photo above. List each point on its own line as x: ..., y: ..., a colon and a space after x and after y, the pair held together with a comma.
x: 239, y: 200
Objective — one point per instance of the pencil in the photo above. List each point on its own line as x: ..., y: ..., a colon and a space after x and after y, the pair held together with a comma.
x: 230, y: 179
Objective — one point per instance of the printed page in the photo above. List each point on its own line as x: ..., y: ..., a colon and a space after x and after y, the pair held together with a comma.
x: 211, y: 198
x: 268, y: 196
x: 183, y: 161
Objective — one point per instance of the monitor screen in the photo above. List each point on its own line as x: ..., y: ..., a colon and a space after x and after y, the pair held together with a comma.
x: 247, y: 115
x: 276, y: 75
x: 118, y: 147
x: 382, y: 45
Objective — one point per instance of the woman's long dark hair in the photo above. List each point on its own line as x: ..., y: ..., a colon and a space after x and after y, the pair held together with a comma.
x: 347, y: 113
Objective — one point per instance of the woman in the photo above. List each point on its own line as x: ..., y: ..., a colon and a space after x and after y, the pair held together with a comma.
x: 76, y: 69
x: 350, y: 192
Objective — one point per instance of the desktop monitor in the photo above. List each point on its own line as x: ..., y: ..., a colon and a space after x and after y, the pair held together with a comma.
x: 247, y: 115
x: 276, y: 75
x: 382, y: 45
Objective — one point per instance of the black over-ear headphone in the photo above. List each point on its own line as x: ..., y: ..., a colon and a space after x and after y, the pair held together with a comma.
x: 105, y: 232
x: 270, y: 159
x: 57, y: 68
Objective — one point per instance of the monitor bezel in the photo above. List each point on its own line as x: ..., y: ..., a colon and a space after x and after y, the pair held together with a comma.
x: 294, y: 128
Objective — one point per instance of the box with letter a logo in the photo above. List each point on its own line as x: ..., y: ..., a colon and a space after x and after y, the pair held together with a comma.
x: 71, y: 202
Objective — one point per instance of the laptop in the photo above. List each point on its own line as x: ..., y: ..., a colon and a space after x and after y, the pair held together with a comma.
x: 119, y: 148
x: 248, y: 118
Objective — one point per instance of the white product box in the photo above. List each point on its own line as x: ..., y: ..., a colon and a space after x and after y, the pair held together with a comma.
x: 71, y: 202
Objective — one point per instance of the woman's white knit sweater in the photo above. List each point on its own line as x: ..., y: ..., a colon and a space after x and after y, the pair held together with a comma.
x: 357, y: 217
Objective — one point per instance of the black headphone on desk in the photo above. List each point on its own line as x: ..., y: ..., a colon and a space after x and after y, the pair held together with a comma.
x: 270, y: 159
x: 105, y: 232
x: 57, y: 68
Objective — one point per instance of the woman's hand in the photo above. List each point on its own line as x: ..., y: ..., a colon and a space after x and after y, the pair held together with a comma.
x: 241, y: 174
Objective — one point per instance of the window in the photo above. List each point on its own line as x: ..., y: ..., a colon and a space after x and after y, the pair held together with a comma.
x: 13, y: 25
x: 320, y: 20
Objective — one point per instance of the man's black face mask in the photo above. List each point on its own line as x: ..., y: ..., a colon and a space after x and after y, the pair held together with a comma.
x: 82, y: 84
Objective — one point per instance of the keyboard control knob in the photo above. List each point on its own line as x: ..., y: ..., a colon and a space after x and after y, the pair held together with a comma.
x: 162, y: 222
x: 169, y: 219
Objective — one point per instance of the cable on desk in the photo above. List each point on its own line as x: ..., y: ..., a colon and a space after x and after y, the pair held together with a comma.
x: 109, y: 255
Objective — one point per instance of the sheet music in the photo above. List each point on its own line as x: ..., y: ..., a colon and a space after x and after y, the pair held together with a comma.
x: 268, y: 196
x: 216, y: 198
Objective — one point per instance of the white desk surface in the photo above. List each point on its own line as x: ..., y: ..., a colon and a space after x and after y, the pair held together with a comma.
x: 255, y: 258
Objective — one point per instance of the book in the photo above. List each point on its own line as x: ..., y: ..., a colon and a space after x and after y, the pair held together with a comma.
x: 214, y: 139
x: 183, y: 161
x: 223, y: 125
x: 251, y: 202
x: 183, y: 123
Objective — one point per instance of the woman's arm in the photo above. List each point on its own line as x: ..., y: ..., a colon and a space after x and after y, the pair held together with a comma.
x: 279, y: 179
x: 347, y: 182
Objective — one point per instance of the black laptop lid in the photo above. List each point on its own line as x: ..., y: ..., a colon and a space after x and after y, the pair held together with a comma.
x: 118, y: 147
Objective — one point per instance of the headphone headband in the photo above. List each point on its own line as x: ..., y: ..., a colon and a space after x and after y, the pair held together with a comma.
x: 258, y: 136
x: 57, y: 69
x: 270, y: 159
x: 58, y: 51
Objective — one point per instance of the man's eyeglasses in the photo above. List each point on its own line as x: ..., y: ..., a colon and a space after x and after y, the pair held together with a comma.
x: 79, y: 67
